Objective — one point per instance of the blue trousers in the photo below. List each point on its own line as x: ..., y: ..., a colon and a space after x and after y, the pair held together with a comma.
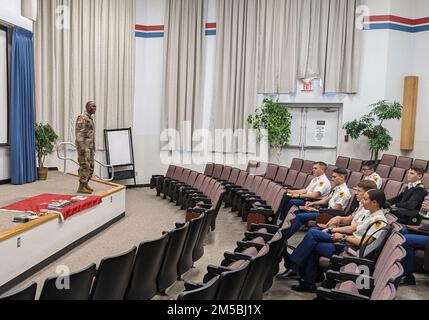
x: 302, y: 217
x: 414, y: 242
x: 306, y: 256
x: 288, y: 205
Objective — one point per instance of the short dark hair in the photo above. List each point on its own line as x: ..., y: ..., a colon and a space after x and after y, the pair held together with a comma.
x: 367, y: 185
x: 342, y: 172
x: 380, y: 197
x: 370, y: 164
x: 323, y: 165
x: 420, y: 171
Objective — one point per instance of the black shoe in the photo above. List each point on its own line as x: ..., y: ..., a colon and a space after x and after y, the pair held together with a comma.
x: 408, y: 281
x: 305, y: 287
x: 288, y: 274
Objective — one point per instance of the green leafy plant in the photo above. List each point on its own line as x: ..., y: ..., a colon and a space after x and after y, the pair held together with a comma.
x: 272, y: 121
x: 45, y: 141
x: 371, y: 126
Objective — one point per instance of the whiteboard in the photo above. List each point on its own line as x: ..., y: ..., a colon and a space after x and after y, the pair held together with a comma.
x: 119, y: 147
x: 3, y: 88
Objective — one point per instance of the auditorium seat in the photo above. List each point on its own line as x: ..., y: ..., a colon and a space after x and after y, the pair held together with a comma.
x: 186, y: 261
x: 226, y: 173
x: 291, y: 178
x: 392, y: 189
x: 281, y: 175
x: 384, y: 171
x: 354, y: 179
x: 404, y: 163
x: 217, y: 172
x: 330, y: 171
x: 388, y: 160
x: 271, y: 171
x: 79, y: 286
x: 308, y: 181
x: 342, y: 162
x: 296, y: 164
x: 168, y: 273
x: 397, y: 174
x: 204, y: 293
x: 26, y: 294
x: 300, y: 181
x: 425, y: 180
x: 113, y: 277
x: 355, y: 165
x: 251, y: 166
x: 148, y: 262
x: 209, y: 169
x: 307, y: 167
x: 156, y: 179
x: 419, y: 163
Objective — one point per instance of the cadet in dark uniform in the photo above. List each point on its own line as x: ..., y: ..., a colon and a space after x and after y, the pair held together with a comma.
x: 407, y: 205
x: 85, y: 144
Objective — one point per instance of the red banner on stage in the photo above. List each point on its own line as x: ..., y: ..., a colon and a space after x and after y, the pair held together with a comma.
x: 40, y: 204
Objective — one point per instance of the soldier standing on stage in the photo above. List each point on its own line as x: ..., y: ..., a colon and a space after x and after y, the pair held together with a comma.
x: 85, y: 144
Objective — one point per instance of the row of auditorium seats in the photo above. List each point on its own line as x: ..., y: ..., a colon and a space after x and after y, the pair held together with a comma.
x: 248, y: 272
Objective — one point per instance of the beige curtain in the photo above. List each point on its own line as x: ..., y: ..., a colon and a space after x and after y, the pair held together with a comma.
x: 85, y: 50
x: 308, y: 38
x: 235, y: 91
x: 183, y: 70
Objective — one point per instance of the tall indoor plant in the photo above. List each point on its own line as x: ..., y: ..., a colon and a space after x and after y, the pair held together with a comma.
x: 371, y: 126
x: 273, y: 120
x: 45, y: 144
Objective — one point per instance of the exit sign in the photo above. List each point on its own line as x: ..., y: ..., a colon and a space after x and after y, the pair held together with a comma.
x: 307, y: 86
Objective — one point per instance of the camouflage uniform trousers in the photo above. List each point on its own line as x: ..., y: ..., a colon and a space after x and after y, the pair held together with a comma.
x: 86, y: 163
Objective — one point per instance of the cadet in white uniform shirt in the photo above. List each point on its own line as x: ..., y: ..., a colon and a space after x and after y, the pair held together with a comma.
x: 338, y: 200
x: 369, y: 172
x: 319, y: 188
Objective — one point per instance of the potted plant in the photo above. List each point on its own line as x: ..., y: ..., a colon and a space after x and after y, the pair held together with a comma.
x: 371, y: 126
x: 45, y: 144
x: 273, y: 121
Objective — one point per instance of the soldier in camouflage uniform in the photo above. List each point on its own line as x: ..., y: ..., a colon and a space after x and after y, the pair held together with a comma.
x: 85, y: 144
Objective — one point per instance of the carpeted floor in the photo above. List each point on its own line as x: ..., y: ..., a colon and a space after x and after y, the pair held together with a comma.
x: 147, y: 216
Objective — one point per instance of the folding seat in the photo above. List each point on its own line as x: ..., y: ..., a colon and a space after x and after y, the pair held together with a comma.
x: 226, y: 173
x: 271, y: 171
x: 307, y: 167
x: 308, y: 181
x: 148, y: 262
x: 418, y: 163
x: 185, y: 191
x: 263, y: 195
x: 80, y: 286
x: 257, y: 270
x: 354, y: 179
x: 300, y: 181
x: 186, y: 262
x: 267, y: 214
x: 330, y: 171
x: 198, y: 252
x: 157, y: 178
x: 388, y: 160
x: 291, y: 178
x: 404, y: 163
x: 392, y: 189
x: 234, y: 191
x: 233, y: 178
x: 199, y: 196
x: 204, y: 293
x: 384, y: 171
x: 281, y: 175
x: 168, y: 273
x: 208, y: 171
x: 397, y: 174
x: 425, y: 180
x: 355, y: 165
x: 296, y: 164
x: 181, y: 181
x: 26, y: 294
x: 230, y: 188
x: 342, y: 162
x: 217, y: 172
x: 251, y: 191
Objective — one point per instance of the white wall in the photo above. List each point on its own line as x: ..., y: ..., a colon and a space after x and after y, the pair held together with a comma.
x: 10, y: 12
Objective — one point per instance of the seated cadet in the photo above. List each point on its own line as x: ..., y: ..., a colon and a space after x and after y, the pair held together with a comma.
x: 316, y: 236
x: 370, y: 216
x: 320, y: 187
x: 407, y: 205
x: 415, y: 241
x: 369, y: 173
x: 338, y: 200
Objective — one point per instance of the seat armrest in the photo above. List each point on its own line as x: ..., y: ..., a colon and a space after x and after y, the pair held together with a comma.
x: 246, y: 245
x: 323, y: 293
x: 237, y: 256
x: 191, y: 286
x: 271, y: 228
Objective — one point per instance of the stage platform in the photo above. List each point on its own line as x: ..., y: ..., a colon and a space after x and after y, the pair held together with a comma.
x: 27, y: 248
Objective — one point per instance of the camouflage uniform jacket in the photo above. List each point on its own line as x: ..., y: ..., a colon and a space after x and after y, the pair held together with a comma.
x: 85, y: 132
